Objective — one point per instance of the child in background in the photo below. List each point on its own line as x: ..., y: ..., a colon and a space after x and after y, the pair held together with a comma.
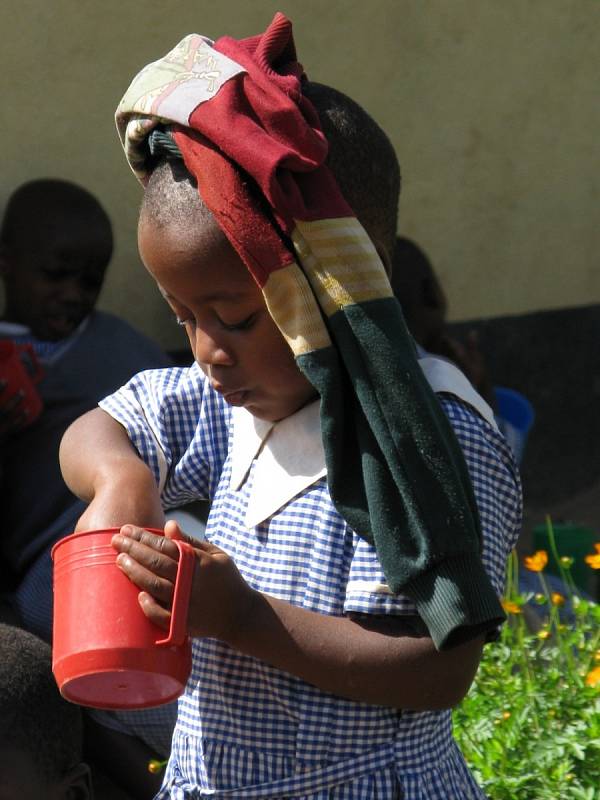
x: 55, y: 246
x: 425, y: 308
x: 40, y: 733
x: 340, y: 601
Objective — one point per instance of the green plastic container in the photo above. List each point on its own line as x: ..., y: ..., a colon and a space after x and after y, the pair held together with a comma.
x: 575, y: 541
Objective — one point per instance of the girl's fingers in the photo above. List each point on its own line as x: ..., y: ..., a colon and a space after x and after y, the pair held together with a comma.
x: 161, y: 589
x: 155, y: 540
x: 173, y: 531
x: 150, y: 549
x: 147, y: 566
x: 155, y: 612
x: 207, y: 547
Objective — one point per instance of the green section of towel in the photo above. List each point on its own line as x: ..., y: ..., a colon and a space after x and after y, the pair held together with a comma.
x: 396, y: 472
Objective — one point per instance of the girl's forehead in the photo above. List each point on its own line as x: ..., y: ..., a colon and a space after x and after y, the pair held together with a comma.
x: 198, y: 256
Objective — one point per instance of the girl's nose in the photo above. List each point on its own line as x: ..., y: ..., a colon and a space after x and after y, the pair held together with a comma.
x: 208, y: 350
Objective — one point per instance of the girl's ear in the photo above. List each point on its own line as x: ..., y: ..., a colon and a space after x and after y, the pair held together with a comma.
x: 77, y: 783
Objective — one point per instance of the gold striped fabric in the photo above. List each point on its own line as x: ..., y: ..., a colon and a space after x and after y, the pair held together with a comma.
x: 340, y: 263
x: 292, y: 304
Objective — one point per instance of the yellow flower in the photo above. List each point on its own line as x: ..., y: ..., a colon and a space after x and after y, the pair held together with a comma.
x: 593, y: 560
x: 593, y: 677
x: 557, y: 599
x: 505, y: 714
x: 155, y: 766
x: 510, y: 607
x: 537, y: 561
x: 543, y: 634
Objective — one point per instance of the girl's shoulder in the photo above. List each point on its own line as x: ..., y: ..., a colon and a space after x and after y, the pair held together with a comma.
x: 170, y: 400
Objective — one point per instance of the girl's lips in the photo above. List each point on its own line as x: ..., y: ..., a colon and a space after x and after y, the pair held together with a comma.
x: 236, y: 398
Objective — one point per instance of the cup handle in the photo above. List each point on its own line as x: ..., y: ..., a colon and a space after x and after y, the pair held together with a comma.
x: 181, y: 595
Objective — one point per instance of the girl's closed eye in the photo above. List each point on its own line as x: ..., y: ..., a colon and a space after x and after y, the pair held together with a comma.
x: 242, y: 325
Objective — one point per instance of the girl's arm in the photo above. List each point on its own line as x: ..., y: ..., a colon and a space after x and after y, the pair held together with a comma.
x: 101, y: 466
x: 380, y: 662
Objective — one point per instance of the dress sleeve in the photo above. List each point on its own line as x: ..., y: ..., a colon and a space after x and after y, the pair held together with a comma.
x: 179, y: 427
x: 497, y: 488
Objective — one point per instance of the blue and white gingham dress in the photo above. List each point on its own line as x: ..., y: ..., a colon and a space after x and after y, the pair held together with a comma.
x: 245, y: 729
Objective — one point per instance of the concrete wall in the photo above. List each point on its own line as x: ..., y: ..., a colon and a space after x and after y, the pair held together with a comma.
x: 491, y: 104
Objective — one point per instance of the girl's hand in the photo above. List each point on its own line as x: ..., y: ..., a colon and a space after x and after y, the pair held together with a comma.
x: 220, y: 597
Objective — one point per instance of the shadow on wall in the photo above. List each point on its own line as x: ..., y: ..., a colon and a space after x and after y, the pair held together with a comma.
x: 553, y: 358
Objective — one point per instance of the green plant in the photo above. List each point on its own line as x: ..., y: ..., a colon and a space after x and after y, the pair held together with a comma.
x: 530, y: 726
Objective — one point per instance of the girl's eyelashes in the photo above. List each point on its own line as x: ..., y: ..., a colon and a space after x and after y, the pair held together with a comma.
x: 238, y: 326
x: 228, y: 326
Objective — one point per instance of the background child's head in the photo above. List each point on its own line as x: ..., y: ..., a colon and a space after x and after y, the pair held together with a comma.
x: 416, y: 286
x: 363, y: 162
x: 40, y: 732
x: 55, y: 244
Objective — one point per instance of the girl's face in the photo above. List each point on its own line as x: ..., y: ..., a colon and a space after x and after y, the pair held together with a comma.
x: 232, y: 335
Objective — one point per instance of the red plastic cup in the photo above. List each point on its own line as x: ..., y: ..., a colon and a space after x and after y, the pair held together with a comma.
x: 13, y: 358
x: 105, y: 652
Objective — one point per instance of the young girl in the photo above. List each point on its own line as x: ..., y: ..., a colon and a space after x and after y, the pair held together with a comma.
x: 339, y: 604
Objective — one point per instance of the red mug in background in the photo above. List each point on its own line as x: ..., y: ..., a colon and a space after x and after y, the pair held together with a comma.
x: 21, y: 371
x: 105, y: 652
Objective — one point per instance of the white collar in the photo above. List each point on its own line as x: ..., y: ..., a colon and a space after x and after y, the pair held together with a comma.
x: 289, y: 458
x: 444, y: 376
x: 289, y: 454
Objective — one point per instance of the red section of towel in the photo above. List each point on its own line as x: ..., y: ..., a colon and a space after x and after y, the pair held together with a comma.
x: 260, y: 125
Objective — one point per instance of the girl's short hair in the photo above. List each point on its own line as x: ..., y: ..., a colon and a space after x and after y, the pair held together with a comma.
x: 360, y: 156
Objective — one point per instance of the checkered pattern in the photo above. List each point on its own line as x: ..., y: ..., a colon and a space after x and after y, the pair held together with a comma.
x: 242, y: 723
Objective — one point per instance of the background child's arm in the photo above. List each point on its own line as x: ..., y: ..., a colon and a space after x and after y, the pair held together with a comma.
x: 379, y: 662
x: 101, y: 466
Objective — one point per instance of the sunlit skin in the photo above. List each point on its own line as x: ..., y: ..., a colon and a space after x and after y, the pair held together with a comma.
x: 231, y: 333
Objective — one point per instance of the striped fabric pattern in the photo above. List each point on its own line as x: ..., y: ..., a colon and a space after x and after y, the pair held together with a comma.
x: 340, y: 262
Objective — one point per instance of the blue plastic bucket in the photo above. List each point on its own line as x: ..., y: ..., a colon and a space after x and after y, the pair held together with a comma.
x: 515, y: 416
